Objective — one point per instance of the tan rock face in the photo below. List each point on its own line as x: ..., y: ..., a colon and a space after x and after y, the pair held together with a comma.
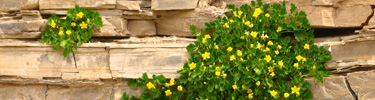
x: 362, y: 84
x: 142, y: 28
x: 112, y: 26
x: 333, y: 88
x: 21, y: 29
x: 22, y: 92
x: 142, y: 14
x: 78, y: 93
x: 12, y: 5
x: 173, y: 4
x: 133, y: 5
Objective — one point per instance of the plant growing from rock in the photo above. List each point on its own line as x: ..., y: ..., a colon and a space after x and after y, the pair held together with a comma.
x: 245, y: 56
x: 72, y: 30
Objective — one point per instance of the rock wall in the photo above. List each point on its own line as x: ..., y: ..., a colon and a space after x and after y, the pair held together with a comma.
x: 99, y: 70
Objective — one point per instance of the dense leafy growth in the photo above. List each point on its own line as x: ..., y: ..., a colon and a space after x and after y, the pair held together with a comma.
x: 73, y: 30
x: 244, y: 56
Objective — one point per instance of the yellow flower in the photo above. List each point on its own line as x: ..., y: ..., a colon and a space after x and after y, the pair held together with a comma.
x: 267, y: 15
x: 206, y: 55
x: 229, y: 49
x: 189, y: 79
x: 216, y: 46
x: 279, y: 29
x: 304, y: 59
x: 53, y: 24
x: 79, y: 15
x: 250, y: 95
x: 314, y: 67
x: 73, y: 24
x: 181, y: 68
x: 251, y: 45
x: 61, y: 33
x: 247, y: 23
x: 296, y: 65
x: 254, y: 34
x: 249, y: 90
x: 268, y: 58
x: 247, y: 33
x: 270, y: 43
x: 232, y: 58
x: 226, y: 25
x: 299, y: 57
x: 235, y: 13
x: 307, y: 46
x: 217, y: 73
x: 257, y: 12
x: 168, y: 93
x: 167, y: 85
x: 273, y: 93
x: 272, y: 74
x: 150, y: 85
x: 240, y: 13
x: 198, y: 34
x: 171, y: 82
x: 239, y: 53
x: 281, y: 63
x: 180, y: 88
x: 277, y: 52
x: 267, y: 49
x: 224, y: 75
x: 241, y: 59
x: 204, y: 40
x: 207, y: 36
x: 243, y: 87
x: 231, y: 21
x: 270, y: 69
x: 83, y: 25
x: 88, y: 21
x: 68, y: 32
x: 242, y: 37
x: 234, y: 86
x: 279, y: 47
x: 204, y: 68
x: 286, y: 95
x: 258, y: 83
x: 295, y: 90
x: 192, y: 65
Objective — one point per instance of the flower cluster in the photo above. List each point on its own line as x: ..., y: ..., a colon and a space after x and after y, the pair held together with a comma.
x: 75, y: 29
x: 244, y: 56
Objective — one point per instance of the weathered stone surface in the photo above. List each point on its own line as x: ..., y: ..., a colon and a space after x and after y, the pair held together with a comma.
x: 352, y: 16
x: 173, y: 4
x: 12, y: 5
x: 333, y: 88
x: 362, y: 84
x: 141, y: 28
x: 22, y: 92
x: 21, y: 29
x: 141, y: 14
x: 178, y: 22
x: 132, y: 63
x: 78, y: 93
x: 320, y: 16
x: 67, y: 4
x: 132, y: 5
x: 34, y: 62
x: 112, y: 26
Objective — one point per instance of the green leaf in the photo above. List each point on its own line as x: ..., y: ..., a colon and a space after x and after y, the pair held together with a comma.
x: 144, y: 76
x: 125, y: 96
x: 161, y: 79
x: 230, y: 6
x: 193, y: 28
x: 132, y: 83
x: 257, y: 71
x: 190, y: 48
x: 293, y: 8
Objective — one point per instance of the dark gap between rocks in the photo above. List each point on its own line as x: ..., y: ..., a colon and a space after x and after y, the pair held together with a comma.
x: 350, y: 89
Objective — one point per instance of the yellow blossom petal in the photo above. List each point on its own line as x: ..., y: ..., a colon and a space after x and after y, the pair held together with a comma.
x: 267, y: 15
x: 180, y: 88
x: 299, y: 57
x: 273, y: 93
x: 258, y: 83
x: 307, y: 46
x: 229, y: 49
x: 206, y: 55
x: 239, y: 53
x: 232, y: 58
x: 279, y: 29
x: 254, y: 34
x: 217, y: 73
x: 295, y: 90
x: 234, y: 86
x: 268, y: 58
x: 168, y: 93
x: 286, y: 95
x: 192, y: 65
x: 270, y: 43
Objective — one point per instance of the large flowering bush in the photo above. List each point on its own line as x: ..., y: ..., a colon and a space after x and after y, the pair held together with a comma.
x: 73, y: 30
x: 244, y: 56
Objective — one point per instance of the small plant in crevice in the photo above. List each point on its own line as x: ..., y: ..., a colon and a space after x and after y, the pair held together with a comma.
x: 73, y: 30
x: 243, y: 56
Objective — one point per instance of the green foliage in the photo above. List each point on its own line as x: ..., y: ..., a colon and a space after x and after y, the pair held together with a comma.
x: 244, y: 56
x: 72, y: 30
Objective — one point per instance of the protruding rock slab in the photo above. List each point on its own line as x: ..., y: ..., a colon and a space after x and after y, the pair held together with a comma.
x: 133, y: 62
x: 21, y: 28
x: 142, y: 28
x: 22, y: 92
x: 333, y: 88
x: 68, y: 4
x: 112, y: 26
x: 362, y: 84
x: 173, y: 4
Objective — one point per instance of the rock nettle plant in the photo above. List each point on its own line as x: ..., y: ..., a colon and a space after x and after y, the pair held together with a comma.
x: 244, y: 56
x: 72, y: 30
